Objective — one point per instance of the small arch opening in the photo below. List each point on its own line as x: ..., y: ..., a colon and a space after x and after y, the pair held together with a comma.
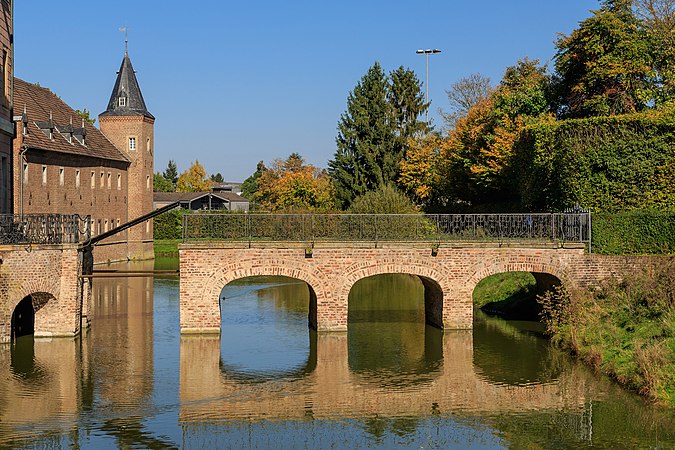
x: 513, y: 295
x: 23, y: 316
x: 498, y: 344
x: 264, y: 332
x: 389, y: 337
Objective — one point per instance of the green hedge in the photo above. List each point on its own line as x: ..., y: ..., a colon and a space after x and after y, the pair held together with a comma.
x: 169, y: 225
x: 613, y: 163
x: 635, y: 232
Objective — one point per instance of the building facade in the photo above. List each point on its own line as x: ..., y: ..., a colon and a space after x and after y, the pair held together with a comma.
x: 6, y: 103
x: 63, y: 164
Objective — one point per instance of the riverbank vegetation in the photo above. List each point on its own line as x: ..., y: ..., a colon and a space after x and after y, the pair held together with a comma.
x: 625, y: 329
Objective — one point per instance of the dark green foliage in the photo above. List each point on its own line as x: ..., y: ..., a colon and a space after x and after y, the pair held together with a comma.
x: 606, y: 66
x: 603, y: 163
x: 218, y: 178
x: 372, y: 132
x: 387, y: 199
x: 171, y: 172
x: 169, y: 225
x: 635, y: 232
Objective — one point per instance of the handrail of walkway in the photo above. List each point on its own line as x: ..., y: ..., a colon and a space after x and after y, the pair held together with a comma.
x: 572, y: 227
x: 28, y: 229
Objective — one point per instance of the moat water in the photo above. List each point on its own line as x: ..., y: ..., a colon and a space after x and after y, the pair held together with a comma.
x: 269, y: 382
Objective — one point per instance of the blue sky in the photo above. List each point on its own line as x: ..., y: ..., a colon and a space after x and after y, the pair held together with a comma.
x: 233, y: 83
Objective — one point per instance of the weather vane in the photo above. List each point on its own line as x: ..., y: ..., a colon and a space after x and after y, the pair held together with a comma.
x: 126, y: 39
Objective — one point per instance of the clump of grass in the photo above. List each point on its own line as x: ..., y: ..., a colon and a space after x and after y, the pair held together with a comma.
x: 625, y: 329
x: 164, y: 247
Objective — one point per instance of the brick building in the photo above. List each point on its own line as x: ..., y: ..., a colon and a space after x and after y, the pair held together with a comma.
x: 6, y: 97
x: 65, y: 165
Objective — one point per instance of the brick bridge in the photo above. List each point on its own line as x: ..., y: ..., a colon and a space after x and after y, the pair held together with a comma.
x: 450, y: 255
x: 41, y: 289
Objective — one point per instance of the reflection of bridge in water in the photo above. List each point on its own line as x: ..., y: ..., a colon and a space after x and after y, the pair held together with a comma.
x: 333, y: 390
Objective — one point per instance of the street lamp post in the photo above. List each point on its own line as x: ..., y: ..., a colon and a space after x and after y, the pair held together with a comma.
x: 427, y: 52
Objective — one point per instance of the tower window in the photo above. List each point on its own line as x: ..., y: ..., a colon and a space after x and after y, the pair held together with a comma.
x: 93, y: 179
x: 61, y: 176
x: 122, y: 101
x: 44, y: 174
x: 109, y: 180
x: 147, y: 182
x: 25, y: 172
x: 132, y: 143
x: 77, y: 178
x: 102, y: 179
x: 119, y: 181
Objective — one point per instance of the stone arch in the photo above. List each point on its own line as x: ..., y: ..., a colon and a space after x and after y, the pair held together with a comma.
x: 247, y: 268
x: 23, y: 320
x: 431, y: 276
x: 547, y: 271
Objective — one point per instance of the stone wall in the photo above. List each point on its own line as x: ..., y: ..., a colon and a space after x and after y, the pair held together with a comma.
x: 51, y: 274
x: 449, y: 275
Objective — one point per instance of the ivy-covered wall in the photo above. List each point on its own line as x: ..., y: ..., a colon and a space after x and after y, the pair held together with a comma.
x: 607, y: 164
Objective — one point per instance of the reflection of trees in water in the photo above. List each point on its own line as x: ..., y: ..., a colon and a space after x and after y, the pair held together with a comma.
x: 506, y: 352
x: 388, y: 340
x: 288, y: 294
x: 378, y: 427
x: 131, y: 433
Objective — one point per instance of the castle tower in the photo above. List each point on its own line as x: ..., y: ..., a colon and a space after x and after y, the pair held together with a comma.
x: 128, y: 124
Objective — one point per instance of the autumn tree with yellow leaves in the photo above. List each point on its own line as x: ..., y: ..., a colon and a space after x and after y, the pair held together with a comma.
x: 292, y: 184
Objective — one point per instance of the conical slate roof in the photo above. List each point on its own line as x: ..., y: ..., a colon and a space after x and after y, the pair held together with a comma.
x: 126, y: 98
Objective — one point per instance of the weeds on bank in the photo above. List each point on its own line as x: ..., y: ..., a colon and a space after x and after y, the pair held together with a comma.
x: 625, y: 329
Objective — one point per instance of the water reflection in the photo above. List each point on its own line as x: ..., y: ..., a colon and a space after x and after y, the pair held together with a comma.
x: 264, y: 333
x: 514, y: 353
x: 389, y: 342
x: 132, y: 382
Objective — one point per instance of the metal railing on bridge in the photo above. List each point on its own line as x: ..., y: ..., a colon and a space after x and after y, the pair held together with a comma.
x: 573, y: 227
x: 28, y: 229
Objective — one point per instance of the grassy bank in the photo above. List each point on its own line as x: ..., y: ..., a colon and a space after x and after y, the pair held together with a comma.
x: 626, y: 329
x: 166, y: 247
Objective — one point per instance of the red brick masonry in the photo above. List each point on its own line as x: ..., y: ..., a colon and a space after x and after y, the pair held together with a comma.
x: 449, y: 276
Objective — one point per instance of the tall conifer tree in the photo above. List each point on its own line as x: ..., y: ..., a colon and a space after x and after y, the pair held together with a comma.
x: 372, y: 132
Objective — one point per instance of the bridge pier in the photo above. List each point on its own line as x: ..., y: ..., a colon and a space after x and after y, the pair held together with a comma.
x: 48, y: 277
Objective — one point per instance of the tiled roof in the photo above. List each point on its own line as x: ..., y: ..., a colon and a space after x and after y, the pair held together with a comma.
x: 126, y: 87
x: 39, y: 104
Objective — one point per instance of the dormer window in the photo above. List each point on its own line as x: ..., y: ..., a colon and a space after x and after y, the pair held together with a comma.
x: 123, y: 101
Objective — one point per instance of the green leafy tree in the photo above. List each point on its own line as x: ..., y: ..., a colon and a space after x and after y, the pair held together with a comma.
x: 386, y: 199
x: 161, y: 184
x: 250, y: 185
x: 193, y: 180
x: 606, y: 66
x: 171, y: 172
x: 86, y: 115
